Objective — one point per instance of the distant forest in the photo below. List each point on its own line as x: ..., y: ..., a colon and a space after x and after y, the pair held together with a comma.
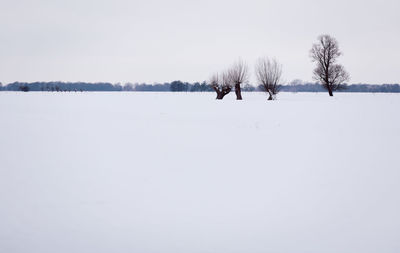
x: 179, y: 86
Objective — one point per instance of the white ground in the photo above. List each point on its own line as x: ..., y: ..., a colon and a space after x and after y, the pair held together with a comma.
x: 184, y: 173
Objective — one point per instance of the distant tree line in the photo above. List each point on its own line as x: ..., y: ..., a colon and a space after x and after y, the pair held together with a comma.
x: 179, y: 86
x: 175, y: 86
x: 368, y: 88
x: 61, y: 86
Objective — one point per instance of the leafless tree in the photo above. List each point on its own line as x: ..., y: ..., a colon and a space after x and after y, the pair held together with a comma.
x: 331, y: 75
x: 221, y: 85
x: 237, y: 75
x: 269, y: 74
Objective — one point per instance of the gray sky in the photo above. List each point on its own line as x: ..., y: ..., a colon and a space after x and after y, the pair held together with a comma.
x: 157, y: 41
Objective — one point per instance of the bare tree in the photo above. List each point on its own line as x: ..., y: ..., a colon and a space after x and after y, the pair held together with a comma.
x: 331, y: 75
x: 221, y: 85
x: 269, y: 74
x: 238, y: 74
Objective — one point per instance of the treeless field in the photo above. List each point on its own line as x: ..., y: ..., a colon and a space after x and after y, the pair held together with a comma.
x: 183, y: 172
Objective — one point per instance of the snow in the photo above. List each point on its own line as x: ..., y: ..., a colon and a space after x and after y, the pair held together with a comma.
x: 182, y: 172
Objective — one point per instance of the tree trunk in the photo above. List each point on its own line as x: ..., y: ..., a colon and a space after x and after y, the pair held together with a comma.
x: 330, y: 92
x: 238, y: 92
x: 270, y: 95
x: 221, y: 95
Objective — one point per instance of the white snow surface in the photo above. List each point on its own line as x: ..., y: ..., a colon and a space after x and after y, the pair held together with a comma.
x: 184, y: 173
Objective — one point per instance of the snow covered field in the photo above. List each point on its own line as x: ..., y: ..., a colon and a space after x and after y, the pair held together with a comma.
x: 184, y: 173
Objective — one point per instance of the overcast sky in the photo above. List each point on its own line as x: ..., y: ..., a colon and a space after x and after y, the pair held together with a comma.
x: 158, y: 41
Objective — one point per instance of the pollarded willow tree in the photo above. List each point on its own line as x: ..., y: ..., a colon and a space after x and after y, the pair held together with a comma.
x: 332, y: 76
x: 238, y: 74
x: 221, y: 84
x: 269, y: 74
